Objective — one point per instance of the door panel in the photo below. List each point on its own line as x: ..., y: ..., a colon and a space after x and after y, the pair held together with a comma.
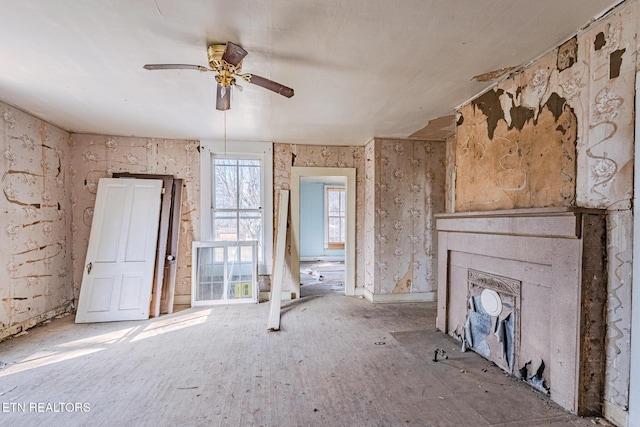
x: 118, y: 274
x: 107, y: 248
x: 132, y: 287
x: 101, y: 291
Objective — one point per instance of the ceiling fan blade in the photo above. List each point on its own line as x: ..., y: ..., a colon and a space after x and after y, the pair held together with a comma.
x: 175, y: 67
x: 233, y: 54
x: 223, y: 102
x: 271, y: 85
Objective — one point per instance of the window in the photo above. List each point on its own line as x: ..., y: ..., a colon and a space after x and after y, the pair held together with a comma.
x: 237, y: 199
x: 336, y: 211
x: 224, y: 272
x: 236, y: 195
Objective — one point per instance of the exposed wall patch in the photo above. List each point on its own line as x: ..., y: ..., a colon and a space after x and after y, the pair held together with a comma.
x: 615, y: 62
x: 599, y: 42
x: 489, y: 104
x: 567, y: 54
x: 520, y: 116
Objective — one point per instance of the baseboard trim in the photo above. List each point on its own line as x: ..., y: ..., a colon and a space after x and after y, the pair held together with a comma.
x: 399, y: 298
x: 30, y: 323
x: 615, y: 414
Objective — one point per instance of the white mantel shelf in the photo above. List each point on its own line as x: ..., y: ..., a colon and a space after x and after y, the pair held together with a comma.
x: 542, y: 222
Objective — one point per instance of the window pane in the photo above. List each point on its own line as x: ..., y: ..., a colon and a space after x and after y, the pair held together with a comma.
x: 334, y: 202
x: 225, y: 225
x: 225, y: 186
x: 250, y: 226
x: 240, y: 272
x: 210, y: 274
x: 335, y: 230
x: 249, y: 186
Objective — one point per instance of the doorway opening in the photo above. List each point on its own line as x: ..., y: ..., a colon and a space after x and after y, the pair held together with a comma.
x: 323, y: 230
x: 322, y: 234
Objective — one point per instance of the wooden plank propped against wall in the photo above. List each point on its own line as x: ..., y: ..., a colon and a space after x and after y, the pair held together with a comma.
x: 282, y: 211
x: 169, y: 288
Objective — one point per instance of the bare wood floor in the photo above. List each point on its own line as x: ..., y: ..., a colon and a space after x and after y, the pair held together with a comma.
x: 337, y: 361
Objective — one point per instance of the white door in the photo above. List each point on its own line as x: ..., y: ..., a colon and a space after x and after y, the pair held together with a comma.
x: 118, y: 273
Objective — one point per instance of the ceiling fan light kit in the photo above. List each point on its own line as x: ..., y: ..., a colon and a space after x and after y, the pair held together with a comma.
x: 226, y: 62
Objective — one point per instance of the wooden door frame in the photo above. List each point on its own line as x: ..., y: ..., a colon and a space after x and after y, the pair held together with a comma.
x: 634, y: 374
x: 350, y: 244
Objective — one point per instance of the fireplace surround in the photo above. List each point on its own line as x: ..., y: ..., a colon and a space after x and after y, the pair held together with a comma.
x: 546, y: 267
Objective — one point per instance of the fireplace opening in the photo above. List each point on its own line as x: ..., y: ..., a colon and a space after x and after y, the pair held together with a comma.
x: 491, y: 328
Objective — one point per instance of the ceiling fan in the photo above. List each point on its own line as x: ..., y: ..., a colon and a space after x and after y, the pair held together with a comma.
x: 226, y: 62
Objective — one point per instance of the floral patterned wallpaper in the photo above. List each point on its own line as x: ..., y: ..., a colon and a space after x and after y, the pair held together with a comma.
x: 589, y: 80
x: 35, y: 221
x: 405, y: 184
x: 95, y: 156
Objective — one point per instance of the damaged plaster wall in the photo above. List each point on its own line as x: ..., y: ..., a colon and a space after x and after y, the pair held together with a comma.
x: 98, y: 156
x: 287, y: 155
x: 405, y: 186
x: 561, y: 133
x: 35, y: 222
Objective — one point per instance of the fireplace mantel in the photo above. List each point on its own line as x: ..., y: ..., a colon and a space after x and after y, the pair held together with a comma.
x: 558, y: 255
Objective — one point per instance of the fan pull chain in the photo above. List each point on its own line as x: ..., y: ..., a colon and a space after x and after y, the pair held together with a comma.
x: 225, y: 133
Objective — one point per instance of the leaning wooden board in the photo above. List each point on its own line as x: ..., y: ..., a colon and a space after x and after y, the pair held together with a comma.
x: 172, y: 249
x: 282, y: 211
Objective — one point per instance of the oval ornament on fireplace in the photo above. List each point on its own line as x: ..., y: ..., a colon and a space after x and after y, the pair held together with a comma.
x: 491, y: 302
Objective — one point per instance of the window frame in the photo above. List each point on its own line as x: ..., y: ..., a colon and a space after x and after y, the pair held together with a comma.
x: 262, y: 151
x: 327, y: 243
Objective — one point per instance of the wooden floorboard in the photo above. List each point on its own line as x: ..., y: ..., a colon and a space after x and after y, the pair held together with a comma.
x: 336, y: 361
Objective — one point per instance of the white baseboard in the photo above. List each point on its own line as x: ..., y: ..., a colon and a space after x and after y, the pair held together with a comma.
x: 397, y: 298
x: 615, y: 414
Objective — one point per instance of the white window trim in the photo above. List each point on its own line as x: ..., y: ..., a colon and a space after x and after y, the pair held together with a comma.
x: 264, y: 150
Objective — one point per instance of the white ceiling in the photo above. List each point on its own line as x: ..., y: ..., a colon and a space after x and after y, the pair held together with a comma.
x: 360, y: 68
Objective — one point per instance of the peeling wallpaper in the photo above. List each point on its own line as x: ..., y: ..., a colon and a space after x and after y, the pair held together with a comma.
x: 405, y: 187
x: 35, y: 221
x: 561, y: 133
x: 94, y: 157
